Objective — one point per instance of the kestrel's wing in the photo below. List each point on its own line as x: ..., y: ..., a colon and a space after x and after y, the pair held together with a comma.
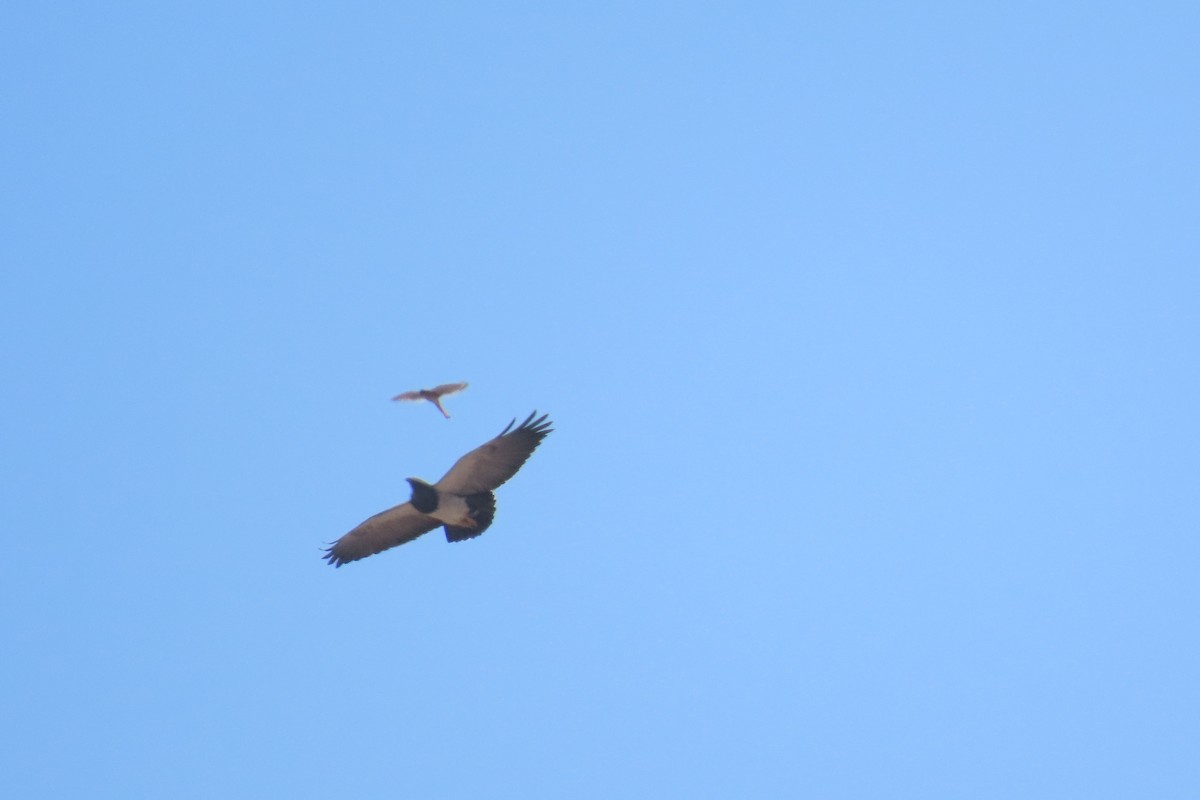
x: 490, y: 465
x: 387, y: 529
x: 449, y: 388
x: 409, y: 396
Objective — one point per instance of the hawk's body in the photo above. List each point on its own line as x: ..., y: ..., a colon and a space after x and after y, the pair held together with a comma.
x: 433, y: 395
x: 462, y: 501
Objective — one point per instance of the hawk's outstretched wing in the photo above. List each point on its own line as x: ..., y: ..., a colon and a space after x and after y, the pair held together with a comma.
x: 386, y: 529
x: 410, y: 396
x: 490, y: 465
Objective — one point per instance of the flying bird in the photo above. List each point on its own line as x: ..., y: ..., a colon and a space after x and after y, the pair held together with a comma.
x: 462, y: 501
x: 433, y: 395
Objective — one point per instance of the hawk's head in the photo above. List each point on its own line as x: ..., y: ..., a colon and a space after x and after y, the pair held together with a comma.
x: 424, y: 496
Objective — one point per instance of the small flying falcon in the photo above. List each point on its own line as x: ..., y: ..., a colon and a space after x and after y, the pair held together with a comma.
x: 433, y: 395
x: 462, y: 501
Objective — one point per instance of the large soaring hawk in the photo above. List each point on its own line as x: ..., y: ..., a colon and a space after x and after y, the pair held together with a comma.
x: 462, y: 501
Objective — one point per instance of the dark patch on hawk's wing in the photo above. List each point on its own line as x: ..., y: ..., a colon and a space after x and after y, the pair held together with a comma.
x: 483, y: 510
x: 389, y: 528
x: 488, y: 466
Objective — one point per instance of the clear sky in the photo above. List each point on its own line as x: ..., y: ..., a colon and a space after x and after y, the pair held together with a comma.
x: 869, y: 330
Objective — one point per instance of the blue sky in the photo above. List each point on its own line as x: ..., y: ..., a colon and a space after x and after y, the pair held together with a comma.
x: 869, y: 331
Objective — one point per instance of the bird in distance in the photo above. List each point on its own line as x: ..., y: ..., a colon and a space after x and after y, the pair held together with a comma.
x: 433, y: 395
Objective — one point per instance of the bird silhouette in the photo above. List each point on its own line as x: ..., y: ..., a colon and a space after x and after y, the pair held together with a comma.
x: 462, y: 501
x: 433, y: 395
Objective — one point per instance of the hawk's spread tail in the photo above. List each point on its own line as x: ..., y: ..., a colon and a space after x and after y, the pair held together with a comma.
x: 482, y: 507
